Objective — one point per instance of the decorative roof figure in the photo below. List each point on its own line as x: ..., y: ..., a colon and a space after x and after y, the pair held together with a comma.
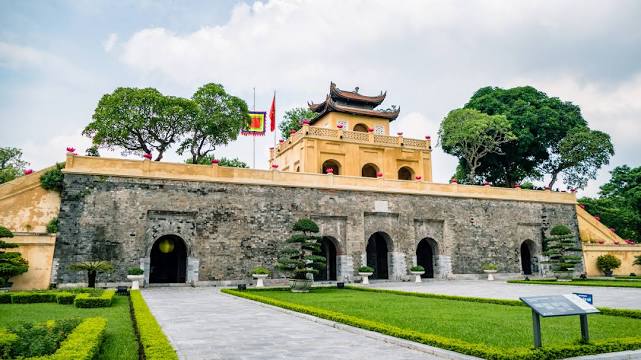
x: 351, y: 102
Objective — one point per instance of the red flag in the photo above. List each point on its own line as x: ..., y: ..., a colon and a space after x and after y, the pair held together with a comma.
x: 272, y: 114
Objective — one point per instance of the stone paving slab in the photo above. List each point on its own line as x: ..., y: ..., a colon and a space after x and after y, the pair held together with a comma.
x: 203, y: 323
x: 625, y: 298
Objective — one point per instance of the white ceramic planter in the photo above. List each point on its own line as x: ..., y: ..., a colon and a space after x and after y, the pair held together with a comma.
x: 417, y: 275
x: 259, y: 279
x: 365, y: 276
x: 135, y: 281
x: 490, y: 276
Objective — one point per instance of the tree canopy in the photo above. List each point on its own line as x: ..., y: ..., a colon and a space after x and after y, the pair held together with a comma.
x: 619, y: 202
x: 538, y: 121
x: 471, y: 135
x: 293, y: 120
x: 223, y: 161
x: 218, y: 119
x: 11, y: 163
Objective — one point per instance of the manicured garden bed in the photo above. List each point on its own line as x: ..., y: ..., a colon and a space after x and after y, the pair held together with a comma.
x: 627, y: 283
x: 119, y: 338
x: 494, y: 329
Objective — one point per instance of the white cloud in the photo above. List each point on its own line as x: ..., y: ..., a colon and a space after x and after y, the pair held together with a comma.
x: 109, y: 44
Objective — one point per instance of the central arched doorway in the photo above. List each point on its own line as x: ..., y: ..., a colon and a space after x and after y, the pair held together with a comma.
x: 369, y: 170
x: 328, y: 250
x: 168, y: 260
x: 425, y: 255
x: 405, y: 173
x: 361, y: 128
x: 377, y: 249
x: 527, y: 250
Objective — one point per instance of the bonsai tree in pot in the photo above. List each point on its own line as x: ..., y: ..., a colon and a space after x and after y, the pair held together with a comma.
x: 259, y: 273
x: 607, y: 263
x: 11, y: 263
x: 365, y: 272
x: 136, y: 275
x: 92, y: 268
x: 564, y: 252
x: 298, y: 259
x: 490, y: 269
x: 417, y: 271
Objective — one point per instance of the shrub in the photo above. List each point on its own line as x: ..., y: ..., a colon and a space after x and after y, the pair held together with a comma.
x: 5, y: 298
x: 7, y: 340
x: 417, y: 268
x: 299, y: 259
x: 87, y: 300
x: 154, y: 342
x: 637, y: 261
x: 52, y: 226
x: 5, y: 233
x: 365, y: 269
x: 83, y: 343
x: 135, y: 271
x: 560, y: 230
x: 527, y: 185
x: 65, y: 298
x: 32, y: 297
x: 489, y: 266
x: 40, y: 339
x: 607, y: 263
x: 53, y: 178
x: 93, y: 268
x: 261, y: 271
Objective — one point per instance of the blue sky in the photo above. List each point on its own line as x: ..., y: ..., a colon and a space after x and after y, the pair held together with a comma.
x: 58, y: 57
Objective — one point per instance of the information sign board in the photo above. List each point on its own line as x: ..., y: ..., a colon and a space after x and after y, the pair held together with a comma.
x: 559, y: 305
x: 587, y: 297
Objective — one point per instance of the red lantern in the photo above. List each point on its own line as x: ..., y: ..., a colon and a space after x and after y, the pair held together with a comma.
x: 70, y: 149
x: 274, y: 166
x: 453, y: 181
x: 613, y: 230
x: 419, y: 178
x: 486, y: 183
x: 582, y: 206
x: 428, y: 138
x: 292, y: 132
x: 601, y: 241
x: 370, y: 129
x: 597, y: 218
x: 147, y: 156
x: 380, y: 175
x: 329, y: 171
x: 340, y: 126
x: 399, y: 134
x: 306, y: 122
x: 215, y: 161
x: 28, y: 172
x: 281, y: 141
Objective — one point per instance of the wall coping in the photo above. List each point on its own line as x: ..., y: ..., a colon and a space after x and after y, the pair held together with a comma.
x: 100, y: 166
x: 612, y: 247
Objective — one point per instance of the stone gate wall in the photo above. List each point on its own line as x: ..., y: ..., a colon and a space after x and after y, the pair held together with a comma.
x: 229, y: 228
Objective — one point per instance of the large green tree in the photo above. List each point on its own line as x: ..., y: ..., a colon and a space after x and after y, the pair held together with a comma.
x: 218, y: 119
x: 293, y: 120
x: 578, y: 156
x: 223, y: 161
x: 619, y: 202
x: 139, y: 121
x: 471, y: 135
x: 537, y: 120
x: 11, y: 164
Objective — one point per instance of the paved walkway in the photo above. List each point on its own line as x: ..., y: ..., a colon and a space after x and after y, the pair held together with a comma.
x: 203, y: 323
x: 625, y: 298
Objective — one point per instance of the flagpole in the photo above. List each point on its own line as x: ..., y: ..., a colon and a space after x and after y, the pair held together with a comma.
x: 276, y: 128
x: 254, y: 137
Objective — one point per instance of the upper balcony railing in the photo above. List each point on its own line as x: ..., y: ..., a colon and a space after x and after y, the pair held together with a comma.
x: 351, y: 137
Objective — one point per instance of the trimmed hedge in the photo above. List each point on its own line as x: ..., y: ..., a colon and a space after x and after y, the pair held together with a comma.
x: 5, y: 298
x: 479, y: 350
x: 65, y: 298
x: 154, y: 342
x: 589, y: 282
x: 33, y: 297
x: 88, y: 300
x: 83, y: 343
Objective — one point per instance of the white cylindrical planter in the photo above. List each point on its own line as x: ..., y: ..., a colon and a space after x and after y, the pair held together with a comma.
x: 135, y: 281
x: 417, y: 275
x: 490, y: 276
x: 259, y: 279
x: 365, y: 276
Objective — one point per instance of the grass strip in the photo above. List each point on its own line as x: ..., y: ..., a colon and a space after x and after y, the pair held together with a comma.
x: 154, y: 343
x: 601, y: 283
x: 458, y: 345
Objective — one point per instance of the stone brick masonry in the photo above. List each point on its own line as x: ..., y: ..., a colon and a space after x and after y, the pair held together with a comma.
x: 230, y: 228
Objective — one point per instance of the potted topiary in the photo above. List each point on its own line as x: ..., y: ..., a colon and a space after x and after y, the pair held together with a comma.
x: 490, y: 269
x: 607, y: 263
x: 136, y: 276
x: 417, y: 271
x: 259, y: 273
x: 365, y: 272
x: 298, y: 259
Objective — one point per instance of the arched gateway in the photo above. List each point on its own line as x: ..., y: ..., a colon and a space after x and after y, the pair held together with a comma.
x: 328, y: 250
x: 528, y: 249
x: 168, y: 260
x: 426, y: 252
x: 378, y: 246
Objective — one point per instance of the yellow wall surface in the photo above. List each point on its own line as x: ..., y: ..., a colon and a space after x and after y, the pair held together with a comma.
x: 330, y: 120
x: 593, y: 231
x: 27, y: 207
x: 37, y: 249
x: 625, y: 253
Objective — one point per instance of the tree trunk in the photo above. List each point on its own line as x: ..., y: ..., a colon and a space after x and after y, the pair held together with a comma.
x: 554, y: 178
x: 91, y: 274
x: 159, y: 157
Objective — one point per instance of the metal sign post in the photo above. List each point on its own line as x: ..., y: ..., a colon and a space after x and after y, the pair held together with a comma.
x: 558, y: 305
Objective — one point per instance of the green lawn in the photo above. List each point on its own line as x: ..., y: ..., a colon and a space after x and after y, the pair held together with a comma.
x: 120, y: 341
x: 589, y: 282
x: 499, y: 326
